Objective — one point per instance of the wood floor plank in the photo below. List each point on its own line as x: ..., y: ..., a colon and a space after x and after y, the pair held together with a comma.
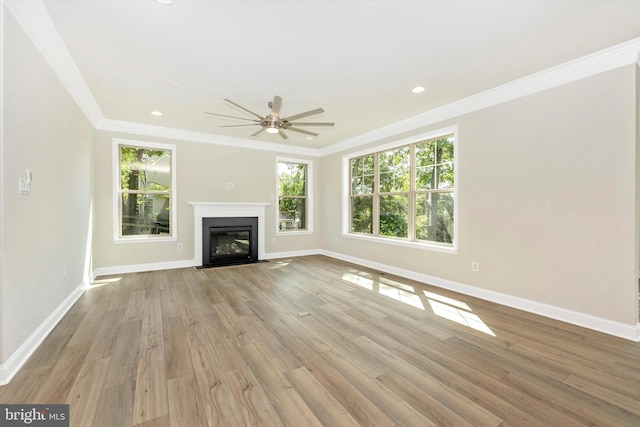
x: 152, y: 316
x: 116, y: 405
x: 124, y: 361
x: 325, y: 407
x: 286, y: 401
x: 84, y: 396
x: 409, y: 381
x: 150, y: 399
x: 585, y: 408
x: 185, y: 404
x: 103, y: 342
x: 317, y: 341
x: 253, y: 402
x: 384, y: 398
x: 58, y: 385
x: 347, y: 394
x: 220, y: 406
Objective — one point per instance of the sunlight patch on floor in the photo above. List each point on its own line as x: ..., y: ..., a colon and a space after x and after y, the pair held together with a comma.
x: 104, y: 282
x: 401, y: 295
x: 446, y: 307
x: 462, y: 317
x: 358, y: 280
x: 447, y: 300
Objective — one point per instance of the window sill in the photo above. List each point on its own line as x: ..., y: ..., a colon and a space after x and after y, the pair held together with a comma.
x: 405, y: 243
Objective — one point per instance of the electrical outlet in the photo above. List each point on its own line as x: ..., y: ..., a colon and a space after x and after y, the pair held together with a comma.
x: 229, y: 185
x: 475, y: 266
x: 273, y: 241
x: 180, y: 246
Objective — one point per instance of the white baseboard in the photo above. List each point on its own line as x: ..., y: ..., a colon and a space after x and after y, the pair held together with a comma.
x: 138, y: 268
x: 22, y: 354
x: 290, y: 254
x: 622, y: 330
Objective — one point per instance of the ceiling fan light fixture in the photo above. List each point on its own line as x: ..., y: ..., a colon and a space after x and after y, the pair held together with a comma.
x: 272, y: 129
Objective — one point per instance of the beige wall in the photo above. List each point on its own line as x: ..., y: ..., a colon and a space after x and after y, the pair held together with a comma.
x: 203, y: 171
x: 44, y: 234
x: 546, y: 191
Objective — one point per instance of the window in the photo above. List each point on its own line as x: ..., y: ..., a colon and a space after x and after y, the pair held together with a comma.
x: 294, y: 195
x: 404, y: 193
x: 144, y: 197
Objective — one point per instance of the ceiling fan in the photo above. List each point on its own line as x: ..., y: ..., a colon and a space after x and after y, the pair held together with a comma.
x: 273, y: 123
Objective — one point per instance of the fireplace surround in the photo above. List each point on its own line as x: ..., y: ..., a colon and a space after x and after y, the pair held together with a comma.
x: 219, y: 210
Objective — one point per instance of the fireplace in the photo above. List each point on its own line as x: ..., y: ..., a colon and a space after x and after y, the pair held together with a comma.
x: 229, y: 241
x: 220, y: 210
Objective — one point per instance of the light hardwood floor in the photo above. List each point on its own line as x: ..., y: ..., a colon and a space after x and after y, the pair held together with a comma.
x: 315, y: 341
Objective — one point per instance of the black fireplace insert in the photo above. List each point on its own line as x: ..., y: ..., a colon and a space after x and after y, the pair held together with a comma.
x: 229, y: 241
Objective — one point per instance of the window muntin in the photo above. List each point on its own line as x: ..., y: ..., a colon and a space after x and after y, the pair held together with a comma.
x: 144, y: 199
x: 405, y: 192
x: 293, y: 196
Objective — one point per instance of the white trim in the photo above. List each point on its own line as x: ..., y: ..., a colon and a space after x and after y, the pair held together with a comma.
x: 202, y: 137
x: 346, y: 193
x: 169, y: 265
x: 292, y: 254
x: 22, y: 354
x: 138, y: 268
x: 222, y: 210
x: 598, y: 62
x: 309, y: 196
x: 115, y: 163
x: 36, y: 22
x: 611, y: 327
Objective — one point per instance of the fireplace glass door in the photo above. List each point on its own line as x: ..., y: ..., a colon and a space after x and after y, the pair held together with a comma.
x: 230, y: 241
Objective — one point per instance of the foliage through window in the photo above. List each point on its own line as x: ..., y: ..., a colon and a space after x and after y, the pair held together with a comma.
x: 145, y: 191
x: 293, y: 183
x: 405, y: 192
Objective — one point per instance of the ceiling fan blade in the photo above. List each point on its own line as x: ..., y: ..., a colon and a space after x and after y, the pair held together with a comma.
x: 234, y: 126
x: 231, y: 117
x: 306, y: 132
x: 242, y: 108
x: 312, y: 124
x: 275, y: 106
x: 282, y: 134
x: 305, y: 114
x: 256, y: 133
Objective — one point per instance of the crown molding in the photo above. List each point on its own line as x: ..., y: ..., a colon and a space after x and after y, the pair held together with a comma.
x: 604, y: 60
x: 36, y: 22
x: 202, y: 137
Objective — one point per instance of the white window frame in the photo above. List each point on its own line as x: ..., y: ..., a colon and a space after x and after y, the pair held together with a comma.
x: 309, y: 196
x: 346, y: 193
x: 117, y: 214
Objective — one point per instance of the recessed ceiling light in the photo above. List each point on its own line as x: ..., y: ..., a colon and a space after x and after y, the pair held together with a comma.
x: 156, y: 113
x: 417, y: 89
x: 164, y: 2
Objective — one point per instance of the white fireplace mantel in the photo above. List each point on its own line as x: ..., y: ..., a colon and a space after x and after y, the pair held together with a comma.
x: 226, y: 210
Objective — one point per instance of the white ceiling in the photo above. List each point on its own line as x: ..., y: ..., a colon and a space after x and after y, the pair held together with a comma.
x: 358, y: 60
